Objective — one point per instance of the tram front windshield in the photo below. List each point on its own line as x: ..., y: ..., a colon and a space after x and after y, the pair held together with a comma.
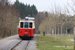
x: 21, y: 24
x: 26, y: 25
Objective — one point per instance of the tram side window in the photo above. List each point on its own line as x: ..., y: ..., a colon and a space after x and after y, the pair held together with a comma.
x: 30, y: 25
x: 26, y: 24
x: 21, y: 24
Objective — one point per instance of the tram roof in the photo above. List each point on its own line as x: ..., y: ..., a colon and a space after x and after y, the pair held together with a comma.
x: 23, y: 20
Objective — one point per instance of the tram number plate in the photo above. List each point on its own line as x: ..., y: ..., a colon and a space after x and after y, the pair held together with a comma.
x: 26, y: 32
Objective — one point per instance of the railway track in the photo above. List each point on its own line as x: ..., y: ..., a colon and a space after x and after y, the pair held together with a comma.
x: 16, y: 45
x: 24, y: 46
x: 27, y: 45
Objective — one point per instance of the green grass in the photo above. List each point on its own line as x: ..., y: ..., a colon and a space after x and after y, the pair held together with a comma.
x: 48, y: 43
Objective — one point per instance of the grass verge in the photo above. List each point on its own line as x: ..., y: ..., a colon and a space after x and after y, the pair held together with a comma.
x: 47, y: 43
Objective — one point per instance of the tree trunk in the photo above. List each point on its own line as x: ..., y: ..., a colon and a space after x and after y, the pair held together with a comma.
x: 55, y: 33
x: 58, y: 32
x: 61, y: 34
x: 66, y: 38
x: 52, y: 33
x: 74, y: 37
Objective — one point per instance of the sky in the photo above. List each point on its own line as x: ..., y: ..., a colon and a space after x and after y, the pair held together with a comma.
x: 45, y: 5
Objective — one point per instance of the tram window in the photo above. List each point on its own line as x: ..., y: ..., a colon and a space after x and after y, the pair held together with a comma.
x: 26, y: 24
x: 30, y: 25
x: 21, y: 24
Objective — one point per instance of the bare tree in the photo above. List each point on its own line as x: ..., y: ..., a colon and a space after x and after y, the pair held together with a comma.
x: 8, y: 19
x: 61, y: 23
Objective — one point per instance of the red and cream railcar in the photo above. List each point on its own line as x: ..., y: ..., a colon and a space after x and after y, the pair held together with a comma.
x: 26, y: 28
